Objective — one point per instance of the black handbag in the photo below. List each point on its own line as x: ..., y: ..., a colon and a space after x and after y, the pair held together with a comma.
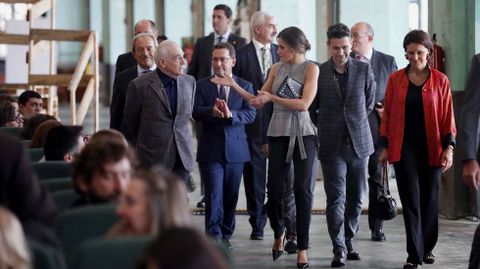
x: 386, y: 207
x: 290, y: 89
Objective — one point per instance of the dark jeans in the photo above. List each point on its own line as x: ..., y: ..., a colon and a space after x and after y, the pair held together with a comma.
x: 277, y: 177
x: 418, y: 185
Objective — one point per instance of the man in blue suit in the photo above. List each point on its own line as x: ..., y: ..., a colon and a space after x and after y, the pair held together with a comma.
x: 222, y: 146
x: 253, y: 63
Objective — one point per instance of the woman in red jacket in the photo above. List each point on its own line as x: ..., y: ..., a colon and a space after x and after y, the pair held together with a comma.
x: 418, y: 136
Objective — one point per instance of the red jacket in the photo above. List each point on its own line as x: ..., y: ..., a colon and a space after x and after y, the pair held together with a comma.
x: 437, y: 108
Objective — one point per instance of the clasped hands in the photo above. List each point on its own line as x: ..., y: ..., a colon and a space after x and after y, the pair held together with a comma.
x: 221, y: 110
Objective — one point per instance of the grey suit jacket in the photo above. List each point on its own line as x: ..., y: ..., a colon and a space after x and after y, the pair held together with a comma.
x: 382, y: 66
x: 470, y: 131
x: 148, y: 122
x: 335, y: 112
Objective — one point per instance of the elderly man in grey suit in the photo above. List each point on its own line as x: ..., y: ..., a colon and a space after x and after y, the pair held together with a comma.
x: 470, y: 139
x: 158, y: 112
x: 382, y: 65
x: 345, y: 98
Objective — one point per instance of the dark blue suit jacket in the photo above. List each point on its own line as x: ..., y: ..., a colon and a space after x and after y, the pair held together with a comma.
x: 248, y: 68
x: 120, y: 86
x: 222, y: 140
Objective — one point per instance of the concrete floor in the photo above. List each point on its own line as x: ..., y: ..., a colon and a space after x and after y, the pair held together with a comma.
x: 452, y: 251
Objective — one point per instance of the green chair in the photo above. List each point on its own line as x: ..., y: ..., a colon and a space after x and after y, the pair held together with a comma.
x: 58, y: 184
x: 118, y: 253
x: 77, y: 225
x: 34, y: 154
x: 52, y: 169
x: 64, y: 198
x: 45, y: 257
x: 13, y: 131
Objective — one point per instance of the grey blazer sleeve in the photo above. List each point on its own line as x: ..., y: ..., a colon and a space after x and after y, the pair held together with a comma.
x: 470, y: 133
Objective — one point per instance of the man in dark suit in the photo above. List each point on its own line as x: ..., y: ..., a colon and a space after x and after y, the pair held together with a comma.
x: 143, y: 49
x: 253, y: 63
x: 127, y: 60
x: 158, y: 112
x: 382, y: 65
x: 222, y: 146
x: 344, y: 100
x: 22, y: 193
x: 469, y: 141
x: 200, y: 65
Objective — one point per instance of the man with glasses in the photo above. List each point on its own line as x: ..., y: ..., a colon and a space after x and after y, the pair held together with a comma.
x: 158, y: 110
x: 222, y: 144
x: 382, y: 66
x: 143, y: 49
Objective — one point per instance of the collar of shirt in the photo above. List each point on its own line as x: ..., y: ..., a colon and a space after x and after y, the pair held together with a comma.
x: 259, y: 46
x: 224, y: 36
x: 367, y: 55
x: 140, y: 69
x: 166, y: 79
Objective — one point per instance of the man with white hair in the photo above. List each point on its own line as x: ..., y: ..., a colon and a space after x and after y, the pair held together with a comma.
x: 158, y: 110
x: 143, y: 49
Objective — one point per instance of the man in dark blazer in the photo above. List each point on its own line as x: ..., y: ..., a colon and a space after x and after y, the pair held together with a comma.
x: 143, y: 49
x: 382, y: 65
x: 253, y: 63
x: 127, y: 60
x: 222, y: 146
x: 200, y: 65
x: 22, y: 193
x: 158, y: 112
x: 345, y: 98
x: 469, y: 141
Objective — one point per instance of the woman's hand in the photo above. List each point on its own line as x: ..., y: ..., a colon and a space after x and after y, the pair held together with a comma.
x: 261, y: 99
x: 225, y: 81
x: 447, y: 158
x: 382, y: 159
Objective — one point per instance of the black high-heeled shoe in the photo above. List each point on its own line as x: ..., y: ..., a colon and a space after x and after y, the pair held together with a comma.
x: 302, y: 264
x: 277, y: 253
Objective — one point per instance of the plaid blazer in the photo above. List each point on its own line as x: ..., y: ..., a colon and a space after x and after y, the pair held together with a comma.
x: 336, y: 112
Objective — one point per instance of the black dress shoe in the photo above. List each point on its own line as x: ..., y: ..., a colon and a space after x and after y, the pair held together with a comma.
x: 410, y: 266
x: 429, y: 259
x: 291, y: 246
x: 338, y: 259
x: 256, y: 237
x: 353, y: 255
x: 378, y: 236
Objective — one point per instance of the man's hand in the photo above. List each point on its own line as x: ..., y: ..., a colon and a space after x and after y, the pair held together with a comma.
x: 221, y: 110
x: 216, y: 111
x: 471, y: 174
x: 265, y: 150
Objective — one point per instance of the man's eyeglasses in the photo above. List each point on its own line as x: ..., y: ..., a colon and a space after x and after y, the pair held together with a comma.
x: 221, y: 59
x: 359, y: 35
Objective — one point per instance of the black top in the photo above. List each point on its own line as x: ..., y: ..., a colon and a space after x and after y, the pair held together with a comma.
x: 170, y: 85
x: 415, y: 135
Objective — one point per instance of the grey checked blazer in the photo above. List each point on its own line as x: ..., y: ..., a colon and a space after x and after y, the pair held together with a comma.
x: 335, y: 112
x: 149, y: 125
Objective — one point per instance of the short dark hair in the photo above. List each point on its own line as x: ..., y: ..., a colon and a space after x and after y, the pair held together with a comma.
x: 227, y: 9
x: 295, y: 39
x: 227, y: 46
x: 9, y: 98
x: 94, y: 157
x: 26, y: 95
x: 338, y: 30
x: 419, y: 37
x: 32, y: 124
x: 7, y: 113
x: 161, y: 38
x: 61, y: 140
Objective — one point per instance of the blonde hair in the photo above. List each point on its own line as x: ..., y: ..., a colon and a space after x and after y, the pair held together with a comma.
x: 13, y: 247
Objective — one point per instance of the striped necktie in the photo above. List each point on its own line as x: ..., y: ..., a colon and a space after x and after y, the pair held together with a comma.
x: 265, y: 61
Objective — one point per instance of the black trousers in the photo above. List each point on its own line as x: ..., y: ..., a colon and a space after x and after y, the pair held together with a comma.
x: 418, y: 185
x: 374, y: 174
x: 474, y: 261
x: 277, y: 177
